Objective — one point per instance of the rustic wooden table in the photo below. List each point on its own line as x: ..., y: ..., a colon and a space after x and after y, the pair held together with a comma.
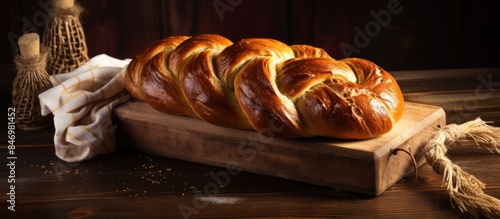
x: 129, y: 184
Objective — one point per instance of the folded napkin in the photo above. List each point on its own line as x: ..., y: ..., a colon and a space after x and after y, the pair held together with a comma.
x: 81, y: 102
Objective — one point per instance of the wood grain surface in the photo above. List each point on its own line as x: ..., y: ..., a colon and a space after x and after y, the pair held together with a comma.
x: 133, y: 184
x: 364, y: 166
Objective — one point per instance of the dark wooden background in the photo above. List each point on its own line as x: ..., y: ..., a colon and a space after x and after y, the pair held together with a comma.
x: 418, y: 35
x: 424, y: 35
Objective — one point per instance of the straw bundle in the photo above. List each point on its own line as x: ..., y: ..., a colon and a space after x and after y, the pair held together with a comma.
x: 65, y: 37
x: 31, y: 80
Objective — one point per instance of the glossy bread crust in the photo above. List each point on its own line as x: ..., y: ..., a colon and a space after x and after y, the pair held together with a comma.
x: 263, y: 84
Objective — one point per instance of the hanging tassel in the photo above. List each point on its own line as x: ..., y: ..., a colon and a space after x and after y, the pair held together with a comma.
x: 465, y: 190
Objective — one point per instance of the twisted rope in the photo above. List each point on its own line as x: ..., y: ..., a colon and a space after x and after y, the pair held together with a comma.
x: 465, y: 190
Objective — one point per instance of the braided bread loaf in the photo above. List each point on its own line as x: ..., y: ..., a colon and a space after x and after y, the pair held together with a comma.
x: 263, y: 84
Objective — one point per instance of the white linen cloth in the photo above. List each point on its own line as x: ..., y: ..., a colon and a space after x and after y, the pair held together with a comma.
x: 81, y: 102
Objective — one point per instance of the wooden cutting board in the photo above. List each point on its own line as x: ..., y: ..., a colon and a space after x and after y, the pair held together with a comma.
x: 366, y: 166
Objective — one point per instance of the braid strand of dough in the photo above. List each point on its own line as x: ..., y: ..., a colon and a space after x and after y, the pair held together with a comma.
x: 260, y: 83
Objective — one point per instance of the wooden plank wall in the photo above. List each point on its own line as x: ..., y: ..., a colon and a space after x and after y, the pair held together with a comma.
x: 416, y: 35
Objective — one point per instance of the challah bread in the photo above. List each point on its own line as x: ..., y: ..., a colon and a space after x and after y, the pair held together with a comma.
x: 263, y: 84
